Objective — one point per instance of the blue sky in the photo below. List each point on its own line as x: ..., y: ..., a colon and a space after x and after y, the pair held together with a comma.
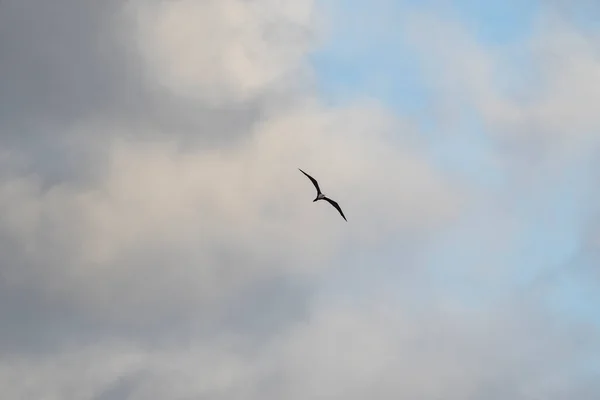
x: 368, y: 54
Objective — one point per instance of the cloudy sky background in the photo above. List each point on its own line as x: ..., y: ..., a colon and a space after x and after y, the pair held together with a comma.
x: 158, y: 242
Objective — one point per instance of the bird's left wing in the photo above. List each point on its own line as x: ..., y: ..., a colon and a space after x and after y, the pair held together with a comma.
x: 336, y: 205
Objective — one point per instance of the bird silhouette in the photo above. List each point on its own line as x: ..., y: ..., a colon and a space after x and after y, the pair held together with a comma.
x: 321, y: 196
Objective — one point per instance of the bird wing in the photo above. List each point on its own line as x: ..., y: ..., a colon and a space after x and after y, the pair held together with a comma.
x: 336, y: 205
x: 313, y: 180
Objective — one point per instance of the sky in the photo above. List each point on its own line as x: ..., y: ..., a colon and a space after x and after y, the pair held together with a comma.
x: 157, y: 240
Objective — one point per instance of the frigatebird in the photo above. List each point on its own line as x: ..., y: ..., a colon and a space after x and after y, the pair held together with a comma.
x: 321, y: 196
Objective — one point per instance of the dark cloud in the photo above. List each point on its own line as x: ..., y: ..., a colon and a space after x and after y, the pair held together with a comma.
x: 71, y: 78
x: 64, y: 61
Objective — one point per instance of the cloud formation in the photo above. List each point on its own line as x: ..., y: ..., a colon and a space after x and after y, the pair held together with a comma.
x: 158, y: 241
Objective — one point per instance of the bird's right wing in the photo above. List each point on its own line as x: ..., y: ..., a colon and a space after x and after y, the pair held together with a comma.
x: 313, y: 180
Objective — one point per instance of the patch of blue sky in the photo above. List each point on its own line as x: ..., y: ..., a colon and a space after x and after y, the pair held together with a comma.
x: 391, y: 76
x: 582, y: 13
x: 572, y: 290
x: 560, y: 215
x: 497, y: 22
x: 551, y: 234
x: 479, y: 263
x: 467, y: 151
x: 367, y: 55
x: 572, y: 293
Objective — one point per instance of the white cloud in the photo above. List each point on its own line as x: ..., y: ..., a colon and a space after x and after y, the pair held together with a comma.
x: 225, y: 50
x: 153, y: 231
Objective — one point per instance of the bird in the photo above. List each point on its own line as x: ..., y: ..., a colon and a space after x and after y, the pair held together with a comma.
x: 321, y: 196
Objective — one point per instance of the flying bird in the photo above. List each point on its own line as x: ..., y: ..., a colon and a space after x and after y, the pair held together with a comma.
x: 320, y: 195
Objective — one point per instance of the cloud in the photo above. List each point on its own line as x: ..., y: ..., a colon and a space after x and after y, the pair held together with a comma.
x: 166, y: 228
x: 338, y: 352
x: 158, y: 241
x: 69, y: 62
x: 536, y: 94
x: 225, y: 51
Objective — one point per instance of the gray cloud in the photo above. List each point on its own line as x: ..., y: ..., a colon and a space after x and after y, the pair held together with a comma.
x: 62, y: 60
x: 71, y: 63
